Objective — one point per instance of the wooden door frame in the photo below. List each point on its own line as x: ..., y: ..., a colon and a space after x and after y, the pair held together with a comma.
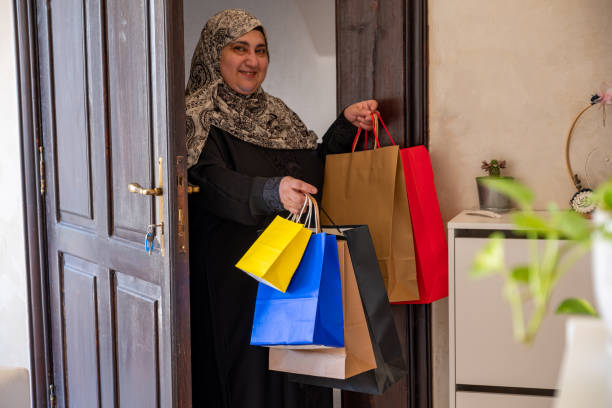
x: 41, y: 362
x: 33, y: 207
x: 370, y: 36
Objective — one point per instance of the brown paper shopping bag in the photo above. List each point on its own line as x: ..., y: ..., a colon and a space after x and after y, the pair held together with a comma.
x: 368, y: 187
x: 357, y: 355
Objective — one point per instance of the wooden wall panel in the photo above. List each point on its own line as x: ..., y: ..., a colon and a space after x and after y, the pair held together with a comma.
x: 75, y: 205
x: 370, y: 58
x: 138, y: 335
x: 130, y: 115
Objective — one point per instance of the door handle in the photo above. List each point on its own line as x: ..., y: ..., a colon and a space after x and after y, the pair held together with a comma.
x: 193, y: 189
x: 157, y: 192
x: 138, y: 189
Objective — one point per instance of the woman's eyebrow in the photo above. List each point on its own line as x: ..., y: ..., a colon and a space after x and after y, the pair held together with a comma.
x: 247, y: 44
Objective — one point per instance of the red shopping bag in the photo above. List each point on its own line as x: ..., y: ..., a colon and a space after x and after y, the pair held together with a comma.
x: 428, y: 230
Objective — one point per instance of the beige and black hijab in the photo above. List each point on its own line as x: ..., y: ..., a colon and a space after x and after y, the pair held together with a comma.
x: 259, y: 118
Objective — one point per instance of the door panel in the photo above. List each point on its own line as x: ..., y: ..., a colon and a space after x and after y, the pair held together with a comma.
x: 110, y: 116
x: 130, y: 116
x: 73, y: 146
x: 138, y: 306
x: 79, y: 298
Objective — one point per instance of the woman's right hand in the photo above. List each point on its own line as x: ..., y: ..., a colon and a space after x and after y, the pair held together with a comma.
x: 291, y: 192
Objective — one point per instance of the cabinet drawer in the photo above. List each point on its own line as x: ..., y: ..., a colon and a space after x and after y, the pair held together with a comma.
x: 485, y: 351
x: 485, y: 400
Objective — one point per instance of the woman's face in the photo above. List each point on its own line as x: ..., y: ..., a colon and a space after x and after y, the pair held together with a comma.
x: 244, y: 62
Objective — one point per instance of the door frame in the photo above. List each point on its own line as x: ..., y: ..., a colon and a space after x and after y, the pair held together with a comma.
x: 33, y: 203
x: 374, y: 41
x: 28, y: 91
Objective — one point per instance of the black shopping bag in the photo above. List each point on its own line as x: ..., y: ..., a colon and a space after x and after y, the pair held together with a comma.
x: 390, y: 363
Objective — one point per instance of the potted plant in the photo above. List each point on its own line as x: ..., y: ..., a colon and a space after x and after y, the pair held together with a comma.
x: 568, y: 236
x: 491, y: 199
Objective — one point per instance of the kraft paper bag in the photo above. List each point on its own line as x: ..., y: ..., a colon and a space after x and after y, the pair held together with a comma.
x: 390, y: 363
x: 309, y: 313
x: 368, y: 187
x: 355, y: 357
x: 275, y: 255
x: 429, y: 238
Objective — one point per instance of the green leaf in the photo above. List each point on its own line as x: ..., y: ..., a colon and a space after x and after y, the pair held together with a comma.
x: 571, y: 225
x: 576, y: 306
x: 490, y: 259
x: 516, y: 191
x: 530, y: 221
x: 603, y: 195
x: 520, y: 274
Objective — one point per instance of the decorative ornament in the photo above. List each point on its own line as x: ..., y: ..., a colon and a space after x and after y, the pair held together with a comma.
x: 582, y: 200
x: 603, y: 97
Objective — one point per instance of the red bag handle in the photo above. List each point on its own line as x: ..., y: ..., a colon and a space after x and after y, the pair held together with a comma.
x: 377, y: 142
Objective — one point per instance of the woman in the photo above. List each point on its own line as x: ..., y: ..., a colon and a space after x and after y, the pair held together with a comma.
x: 253, y: 158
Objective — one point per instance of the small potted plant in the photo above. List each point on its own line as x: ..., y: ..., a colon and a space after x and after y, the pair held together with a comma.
x: 490, y: 199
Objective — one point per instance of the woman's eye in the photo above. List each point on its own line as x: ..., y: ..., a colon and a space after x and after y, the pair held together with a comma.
x: 239, y: 48
x: 261, y: 51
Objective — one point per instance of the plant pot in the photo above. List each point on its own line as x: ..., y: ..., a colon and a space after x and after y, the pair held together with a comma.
x: 602, y: 270
x: 490, y: 199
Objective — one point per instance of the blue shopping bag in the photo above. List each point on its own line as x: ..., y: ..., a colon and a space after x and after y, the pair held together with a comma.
x: 309, y: 313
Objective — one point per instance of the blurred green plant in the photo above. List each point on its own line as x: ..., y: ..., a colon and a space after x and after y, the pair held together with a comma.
x: 565, y: 236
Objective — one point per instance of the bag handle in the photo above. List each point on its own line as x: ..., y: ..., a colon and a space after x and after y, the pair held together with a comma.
x: 314, y: 210
x: 297, y: 218
x: 375, y: 119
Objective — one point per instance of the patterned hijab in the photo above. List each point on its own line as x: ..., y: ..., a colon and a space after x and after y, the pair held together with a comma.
x: 259, y: 118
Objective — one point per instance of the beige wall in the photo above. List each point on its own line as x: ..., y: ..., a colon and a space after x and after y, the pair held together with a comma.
x: 14, y: 343
x: 506, y: 79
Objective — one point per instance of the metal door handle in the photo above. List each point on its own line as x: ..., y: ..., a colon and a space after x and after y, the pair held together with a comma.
x: 138, y: 189
x: 193, y: 189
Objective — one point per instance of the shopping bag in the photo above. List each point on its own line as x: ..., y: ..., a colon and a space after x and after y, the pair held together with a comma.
x: 355, y: 357
x: 368, y: 187
x: 390, y: 364
x: 429, y: 238
x: 275, y: 255
x: 309, y: 313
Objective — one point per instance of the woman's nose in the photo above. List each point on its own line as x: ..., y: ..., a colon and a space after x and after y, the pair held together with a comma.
x: 251, y: 59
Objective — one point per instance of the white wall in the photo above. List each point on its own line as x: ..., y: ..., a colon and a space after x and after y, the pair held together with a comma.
x: 14, y: 339
x: 302, y: 41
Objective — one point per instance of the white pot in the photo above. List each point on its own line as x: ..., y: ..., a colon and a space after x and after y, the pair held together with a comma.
x: 602, y: 268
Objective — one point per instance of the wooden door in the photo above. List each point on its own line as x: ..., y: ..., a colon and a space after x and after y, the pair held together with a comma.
x: 112, y: 113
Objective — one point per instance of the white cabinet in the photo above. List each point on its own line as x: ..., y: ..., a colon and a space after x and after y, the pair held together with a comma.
x: 486, y: 365
x: 491, y: 400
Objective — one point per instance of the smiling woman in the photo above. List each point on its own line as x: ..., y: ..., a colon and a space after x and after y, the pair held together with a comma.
x: 253, y: 158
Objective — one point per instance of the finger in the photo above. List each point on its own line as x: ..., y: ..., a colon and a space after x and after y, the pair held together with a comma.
x: 296, y: 200
x: 366, y: 124
x: 303, y: 187
x: 292, y: 206
x: 372, y: 105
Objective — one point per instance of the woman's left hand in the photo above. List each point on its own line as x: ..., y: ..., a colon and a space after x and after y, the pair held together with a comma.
x: 360, y: 113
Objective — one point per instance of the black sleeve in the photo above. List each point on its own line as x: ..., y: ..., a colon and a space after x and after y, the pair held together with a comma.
x: 228, y: 194
x: 338, y: 138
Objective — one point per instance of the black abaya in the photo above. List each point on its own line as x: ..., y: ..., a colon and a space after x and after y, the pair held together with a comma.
x: 225, y: 218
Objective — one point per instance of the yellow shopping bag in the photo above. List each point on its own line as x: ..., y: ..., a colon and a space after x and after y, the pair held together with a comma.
x: 276, y: 254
